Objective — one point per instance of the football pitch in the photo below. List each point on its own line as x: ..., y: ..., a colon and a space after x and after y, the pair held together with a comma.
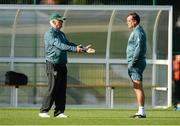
x: 26, y: 116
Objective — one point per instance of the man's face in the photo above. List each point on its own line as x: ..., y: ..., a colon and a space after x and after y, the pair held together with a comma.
x: 58, y: 24
x: 130, y: 22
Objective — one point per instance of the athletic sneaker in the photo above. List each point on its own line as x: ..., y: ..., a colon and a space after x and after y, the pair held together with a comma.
x: 138, y: 116
x: 44, y: 115
x: 61, y: 116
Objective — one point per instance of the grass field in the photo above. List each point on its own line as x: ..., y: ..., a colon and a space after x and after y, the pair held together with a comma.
x: 24, y: 116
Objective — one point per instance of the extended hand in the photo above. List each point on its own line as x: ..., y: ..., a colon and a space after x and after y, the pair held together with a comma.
x: 87, y: 49
x: 90, y: 50
x: 79, y: 49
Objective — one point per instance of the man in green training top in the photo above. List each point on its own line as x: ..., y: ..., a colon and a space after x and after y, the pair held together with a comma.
x: 136, y: 50
x: 56, y: 47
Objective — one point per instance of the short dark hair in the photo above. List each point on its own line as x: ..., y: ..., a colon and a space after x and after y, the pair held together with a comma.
x: 135, y: 16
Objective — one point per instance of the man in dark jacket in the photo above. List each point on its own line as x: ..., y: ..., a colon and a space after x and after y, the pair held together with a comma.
x: 56, y: 47
x: 136, y: 50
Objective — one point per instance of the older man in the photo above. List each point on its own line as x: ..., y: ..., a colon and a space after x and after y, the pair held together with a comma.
x: 56, y: 47
x: 136, y: 50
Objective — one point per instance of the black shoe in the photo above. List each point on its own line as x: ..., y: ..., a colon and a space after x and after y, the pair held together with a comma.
x: 138, y: 116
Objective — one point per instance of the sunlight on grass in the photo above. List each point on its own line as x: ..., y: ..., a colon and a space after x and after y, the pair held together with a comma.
x: 21, y: 116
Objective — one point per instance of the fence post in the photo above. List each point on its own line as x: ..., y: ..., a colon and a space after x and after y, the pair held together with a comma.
x: 112, y: 97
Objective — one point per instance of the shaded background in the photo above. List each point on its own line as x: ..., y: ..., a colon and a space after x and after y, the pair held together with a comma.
x: 175, y: 3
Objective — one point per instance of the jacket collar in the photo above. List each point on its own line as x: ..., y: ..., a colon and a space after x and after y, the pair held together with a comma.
x: 54, y: 29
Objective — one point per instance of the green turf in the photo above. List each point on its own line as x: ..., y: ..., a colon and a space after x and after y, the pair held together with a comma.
x: 21, y: 116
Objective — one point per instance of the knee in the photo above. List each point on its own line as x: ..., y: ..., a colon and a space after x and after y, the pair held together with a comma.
x: 137, y: 84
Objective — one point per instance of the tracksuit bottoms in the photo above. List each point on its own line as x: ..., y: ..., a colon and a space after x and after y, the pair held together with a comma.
x: 56, y: 93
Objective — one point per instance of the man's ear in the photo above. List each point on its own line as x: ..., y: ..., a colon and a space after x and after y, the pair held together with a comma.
x: 52, y: 22
x: 135, y: 22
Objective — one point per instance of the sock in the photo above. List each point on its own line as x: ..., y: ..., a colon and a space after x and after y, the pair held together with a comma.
x: 141, y: 110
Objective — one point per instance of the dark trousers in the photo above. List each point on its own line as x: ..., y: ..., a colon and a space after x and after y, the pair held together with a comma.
x: 177, y: 92
x: 56, y: 93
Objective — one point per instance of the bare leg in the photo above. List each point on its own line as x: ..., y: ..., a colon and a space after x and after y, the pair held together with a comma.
x: 138, y: 89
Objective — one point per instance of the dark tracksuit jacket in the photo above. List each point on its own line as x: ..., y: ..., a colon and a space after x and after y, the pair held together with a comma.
x: 56, y: 47
x: 136, y: 51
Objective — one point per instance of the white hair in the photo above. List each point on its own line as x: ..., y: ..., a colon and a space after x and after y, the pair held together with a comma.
x: 52, y: 22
